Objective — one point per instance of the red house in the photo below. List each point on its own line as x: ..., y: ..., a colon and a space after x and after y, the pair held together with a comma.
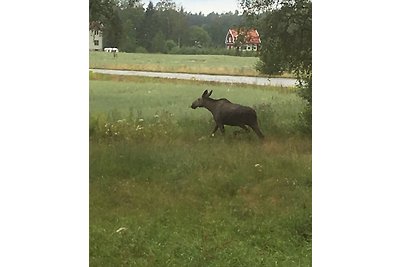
x: 243, y: 40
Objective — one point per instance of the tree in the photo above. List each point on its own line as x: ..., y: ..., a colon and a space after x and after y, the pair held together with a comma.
x: 130, y: 4
x: 113, y: 30
x: 163, y: 5
x: 149, y: 27
x: 158, y: 42
x: 128, y: 40
x: 100, y: 10
x: 180, y: 30
x: 132, y: 19
x: 287, y: 42
x: 172, y: 22
x: 198, y: 37
x: 170, y: 45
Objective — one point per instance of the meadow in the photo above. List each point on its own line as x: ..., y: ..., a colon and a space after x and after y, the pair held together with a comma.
x: 204, y: 64
x: 163, y: 192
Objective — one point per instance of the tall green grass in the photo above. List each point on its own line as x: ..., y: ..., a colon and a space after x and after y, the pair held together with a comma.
x: 165, y: 193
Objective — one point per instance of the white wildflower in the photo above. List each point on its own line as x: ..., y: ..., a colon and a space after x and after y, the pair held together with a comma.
x: 258, y: 166
x: 141, y: 120
x: 121, y: 229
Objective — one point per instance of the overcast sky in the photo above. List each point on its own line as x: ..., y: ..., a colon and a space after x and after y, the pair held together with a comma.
x: 205, y: 6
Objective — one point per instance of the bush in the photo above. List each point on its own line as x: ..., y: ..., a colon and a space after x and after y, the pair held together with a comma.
x: 141, y: 49
x: 170, y: 45
x: 305, y: 92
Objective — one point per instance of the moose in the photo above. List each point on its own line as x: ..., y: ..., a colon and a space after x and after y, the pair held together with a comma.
x: 227, y: 113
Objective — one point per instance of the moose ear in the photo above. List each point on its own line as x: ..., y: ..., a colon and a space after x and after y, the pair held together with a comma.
x: 205, y: 93
x: 209, y: 93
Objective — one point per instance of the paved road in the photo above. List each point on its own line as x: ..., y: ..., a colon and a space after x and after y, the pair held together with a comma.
x: 285, y: 82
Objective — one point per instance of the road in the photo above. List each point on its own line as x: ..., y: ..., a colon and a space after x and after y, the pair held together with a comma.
x: 284, y: 82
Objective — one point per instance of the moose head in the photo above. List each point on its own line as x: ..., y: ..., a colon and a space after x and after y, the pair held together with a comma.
x: 200, y: 101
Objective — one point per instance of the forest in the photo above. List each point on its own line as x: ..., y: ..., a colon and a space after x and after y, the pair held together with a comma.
x: 162, y: 27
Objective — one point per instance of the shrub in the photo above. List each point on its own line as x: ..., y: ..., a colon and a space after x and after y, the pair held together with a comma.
x: 305, y: 92
x: 141, y: 49
x: 170, y: 45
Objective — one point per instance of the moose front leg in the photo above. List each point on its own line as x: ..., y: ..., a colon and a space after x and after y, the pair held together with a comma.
x: 243, y: 127
x: 222, y: 128
x: 215, y: 129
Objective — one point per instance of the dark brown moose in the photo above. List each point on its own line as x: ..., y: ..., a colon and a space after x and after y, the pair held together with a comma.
x: 227, y: 113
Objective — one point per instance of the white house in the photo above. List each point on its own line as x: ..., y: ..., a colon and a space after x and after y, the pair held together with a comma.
x: 95, y: 36
x: 95, y: 40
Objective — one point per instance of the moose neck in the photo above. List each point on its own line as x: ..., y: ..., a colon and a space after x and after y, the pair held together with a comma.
x: 210, y: 104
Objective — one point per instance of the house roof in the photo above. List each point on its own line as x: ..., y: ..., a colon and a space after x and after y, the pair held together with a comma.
x: 96, y: 26
x: 252, y: 36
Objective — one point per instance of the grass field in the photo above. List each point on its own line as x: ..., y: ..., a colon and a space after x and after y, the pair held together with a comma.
x: 204, y: 64
x: 165, y: 193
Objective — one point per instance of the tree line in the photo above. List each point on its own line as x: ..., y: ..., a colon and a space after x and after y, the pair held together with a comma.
x: 162, y: 27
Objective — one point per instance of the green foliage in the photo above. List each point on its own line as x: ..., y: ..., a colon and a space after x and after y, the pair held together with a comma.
x: 198, y: 37
x: 158, y: 42
x: 164, y: 5
x: 131, y: 17
x: 170, y: 45
x: 113, y: 30
x: 287, y: 28
x: 141, y: 49
x: 100, y: 10
x: 147, y: 27
x: 287, y: 43
x: 305, y: 91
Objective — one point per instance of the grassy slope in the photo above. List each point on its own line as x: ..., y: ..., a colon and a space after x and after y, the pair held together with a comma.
x: 205, y: 64
x: 184, y: 198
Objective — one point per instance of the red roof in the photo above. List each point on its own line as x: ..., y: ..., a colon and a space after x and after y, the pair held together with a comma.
x: 252, y: 36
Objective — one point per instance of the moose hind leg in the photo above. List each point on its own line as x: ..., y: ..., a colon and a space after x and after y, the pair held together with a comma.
x: 257, y: 130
